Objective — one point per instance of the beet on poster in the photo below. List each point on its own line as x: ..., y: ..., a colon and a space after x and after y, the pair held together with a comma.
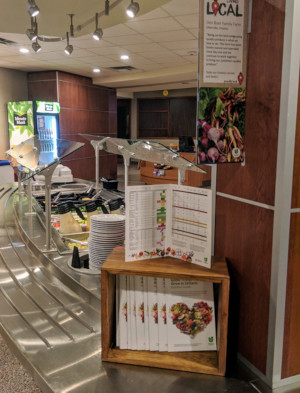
x: 221, y: 123
x: 222, y: 81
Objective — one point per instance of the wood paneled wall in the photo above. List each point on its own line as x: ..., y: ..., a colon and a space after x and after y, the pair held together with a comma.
x: 244, y: 231
x: 85, y: 109
x: 291, y: 345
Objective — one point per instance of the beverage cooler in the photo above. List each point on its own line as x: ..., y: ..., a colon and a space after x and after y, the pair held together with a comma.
x: 28, y: 118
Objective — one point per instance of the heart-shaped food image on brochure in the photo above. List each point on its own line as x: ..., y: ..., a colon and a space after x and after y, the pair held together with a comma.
x: 191, y: 320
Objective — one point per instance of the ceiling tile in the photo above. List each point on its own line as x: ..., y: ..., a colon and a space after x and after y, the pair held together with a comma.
x: 111, y: 50
x: 149, y: 47
x: 175, y: 45
x: 88, y: 42
x: 189, y: 21
x: 195, y: 32
x: 154, y: 25
x: 117, y: 31
x: 128, y: 39
x: 177, y: 35
x: 155, y: 14
x: 162, y: 57
x: 133, y: 60
x: 180, y: 7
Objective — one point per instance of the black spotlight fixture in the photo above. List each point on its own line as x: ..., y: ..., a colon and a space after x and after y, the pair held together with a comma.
x: 106, y: 10
x: 36, y: 46
x: 98, y: 33
x: 32, y: 32
x: 68, y: 48
x: 133, y: 9
x: 71, y: 25
x: 32, y: 8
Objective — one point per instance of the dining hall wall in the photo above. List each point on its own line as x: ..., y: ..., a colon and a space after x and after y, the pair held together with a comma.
x: 246, y: 194
x: 13, y: 88
x: 85, y: 109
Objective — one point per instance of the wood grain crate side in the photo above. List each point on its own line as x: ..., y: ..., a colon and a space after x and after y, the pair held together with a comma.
x: 107, y: 311
x: 222, y: 325
x: 205, y: 362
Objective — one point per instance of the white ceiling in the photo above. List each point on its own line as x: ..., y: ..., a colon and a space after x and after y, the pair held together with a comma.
x: 162, y: 43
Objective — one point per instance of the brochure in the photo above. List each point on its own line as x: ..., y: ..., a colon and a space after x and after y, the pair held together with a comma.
x: 162, y: 315
x: 190, y: 316
x: 171, y: 220
x: 153, y: 313
x: 122, y: 317
x: 129, y: 344
x: 146, y: 315
x: 117, y: 310
x: 133, y: 340
x: 140, y: 314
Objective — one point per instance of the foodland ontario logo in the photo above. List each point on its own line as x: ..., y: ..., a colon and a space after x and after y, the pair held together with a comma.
x: 223, y: 8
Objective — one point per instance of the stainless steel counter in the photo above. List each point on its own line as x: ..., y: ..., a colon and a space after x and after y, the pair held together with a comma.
x: 50, y: 315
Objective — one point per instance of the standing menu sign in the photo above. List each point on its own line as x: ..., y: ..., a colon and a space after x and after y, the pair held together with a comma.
x: 222, y: 80
x: 168, y: 220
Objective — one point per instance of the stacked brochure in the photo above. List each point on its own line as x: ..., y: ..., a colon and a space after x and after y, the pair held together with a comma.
x: 158, y: 314
x: 168, y: 220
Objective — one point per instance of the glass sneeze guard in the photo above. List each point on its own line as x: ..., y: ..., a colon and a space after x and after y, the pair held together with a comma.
x: 37, y: 155
x: 140, y: 150
x: 41, y: 157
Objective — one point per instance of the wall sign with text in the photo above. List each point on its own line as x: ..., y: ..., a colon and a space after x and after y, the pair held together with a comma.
x: 222, y: 81
x: 223, y: 42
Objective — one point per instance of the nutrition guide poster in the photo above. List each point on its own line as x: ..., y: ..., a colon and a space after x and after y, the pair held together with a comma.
x: 168, y: 220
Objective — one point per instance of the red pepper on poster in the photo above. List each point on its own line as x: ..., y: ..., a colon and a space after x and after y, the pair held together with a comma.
x: 240, y: 78
x: 215, y: 7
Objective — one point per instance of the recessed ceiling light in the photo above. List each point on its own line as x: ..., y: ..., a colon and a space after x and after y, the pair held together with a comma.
x: 124, y: 57
x: 96, y: 70
x: 24, y: 50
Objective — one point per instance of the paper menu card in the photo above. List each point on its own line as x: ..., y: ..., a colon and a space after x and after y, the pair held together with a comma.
x: 171, y: 220
x: 140, y: 313
x: 190, y: 316
x: 146, y: 315
x: 162, y: 315
x: 132, y: 313
x: 153, y: 313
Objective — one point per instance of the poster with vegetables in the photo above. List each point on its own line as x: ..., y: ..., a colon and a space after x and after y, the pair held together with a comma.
x: 20, y: 121
x: 221, y: 125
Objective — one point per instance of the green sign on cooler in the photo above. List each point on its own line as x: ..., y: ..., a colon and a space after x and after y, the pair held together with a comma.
x: 47, y: 107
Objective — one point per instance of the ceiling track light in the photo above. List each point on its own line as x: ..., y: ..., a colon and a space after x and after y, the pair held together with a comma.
x: 71, y: 25
x: 68, y: 48
x: 32, y: 9
x: 133, y: 9
x: 106, y: 10
x: 36, y: 46
x: 98, y: 33
x: 32, y: 32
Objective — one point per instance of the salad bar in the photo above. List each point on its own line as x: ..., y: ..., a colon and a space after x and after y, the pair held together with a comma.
x: 51, y: 296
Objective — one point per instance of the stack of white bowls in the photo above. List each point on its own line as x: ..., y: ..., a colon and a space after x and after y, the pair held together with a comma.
x: 106, y: 232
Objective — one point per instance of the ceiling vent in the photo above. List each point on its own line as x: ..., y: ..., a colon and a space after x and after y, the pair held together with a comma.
x: 122, y: 68
x: 3, y: 41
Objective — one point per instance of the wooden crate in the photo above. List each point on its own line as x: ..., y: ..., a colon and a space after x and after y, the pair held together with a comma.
x: 208, y: 362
